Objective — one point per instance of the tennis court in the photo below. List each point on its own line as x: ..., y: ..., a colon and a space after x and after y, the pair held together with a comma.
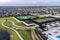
x: 44, y: 19
x: 25, y: 17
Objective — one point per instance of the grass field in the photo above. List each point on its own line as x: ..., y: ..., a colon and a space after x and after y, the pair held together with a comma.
x: 24, y: 34
x: 15, y: 37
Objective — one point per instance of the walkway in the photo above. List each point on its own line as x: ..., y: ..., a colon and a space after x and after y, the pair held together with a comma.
x: 33, y: 27
x: 13, y: 30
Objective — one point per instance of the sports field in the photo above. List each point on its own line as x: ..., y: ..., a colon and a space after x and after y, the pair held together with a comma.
x: 44, y: 19
x: 25, y: 17
x: 24, y: 34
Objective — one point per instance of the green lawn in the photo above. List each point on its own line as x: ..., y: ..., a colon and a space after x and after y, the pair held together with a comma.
x: 12, y: 19
x: 7, y: 23
x: 24, y: 34
x: 15, y: 37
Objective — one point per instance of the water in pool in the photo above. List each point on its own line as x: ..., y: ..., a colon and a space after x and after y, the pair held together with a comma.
x: 58, y: 37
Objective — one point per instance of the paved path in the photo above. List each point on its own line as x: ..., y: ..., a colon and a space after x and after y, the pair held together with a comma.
x: 35, y: 35
x: 17, y: 19
x: 55, y: 16
x: 13, y: 30
x: 32, y: 27
x: 33, y: 38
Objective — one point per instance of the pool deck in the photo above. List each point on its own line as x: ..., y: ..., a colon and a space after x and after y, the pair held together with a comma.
x: 53, y: 32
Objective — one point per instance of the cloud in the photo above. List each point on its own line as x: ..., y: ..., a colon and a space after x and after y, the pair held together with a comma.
x: 32, y: 1
x: 27, y: 2
x: 5, y: 1
x: 22, y: 1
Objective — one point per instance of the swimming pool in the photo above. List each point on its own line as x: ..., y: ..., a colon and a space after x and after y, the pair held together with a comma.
x: 58, y: 37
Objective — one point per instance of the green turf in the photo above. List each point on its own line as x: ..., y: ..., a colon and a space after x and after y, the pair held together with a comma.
x: 24, y: 34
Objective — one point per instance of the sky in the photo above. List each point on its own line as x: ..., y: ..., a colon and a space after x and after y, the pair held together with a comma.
x: 29, y: 2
